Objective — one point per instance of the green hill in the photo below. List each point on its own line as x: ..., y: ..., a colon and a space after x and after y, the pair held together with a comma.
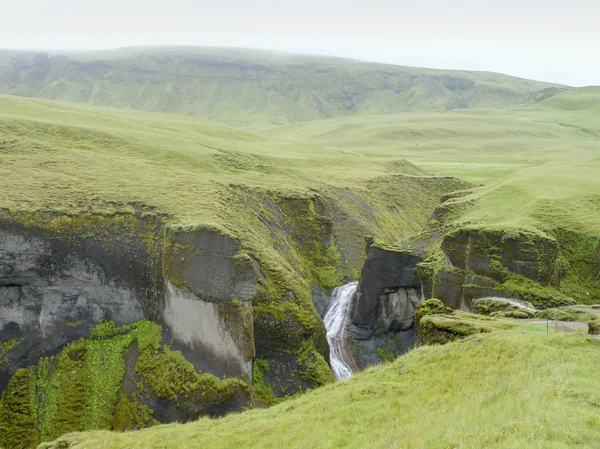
x: 480, y: 145
x: 504, y: 390
x: 299, y: 201
x: 251, y: 88
x: 539, y: 163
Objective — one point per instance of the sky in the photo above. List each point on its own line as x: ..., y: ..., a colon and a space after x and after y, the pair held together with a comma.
x: 547, y: 40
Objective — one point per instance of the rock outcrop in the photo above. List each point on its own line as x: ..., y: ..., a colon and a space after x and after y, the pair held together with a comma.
x: 476, y: 263
x: 71, y: 285
x: 384, y: 307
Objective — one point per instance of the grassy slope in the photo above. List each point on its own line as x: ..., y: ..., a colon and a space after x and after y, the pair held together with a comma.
x: 502, y: 390
x: 479, y: 145
x: 73, y: 158
x: 251, y: 87
x: 540, y: 162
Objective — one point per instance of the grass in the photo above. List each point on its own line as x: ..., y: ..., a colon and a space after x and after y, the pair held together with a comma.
x: 537, y: 165
x: 73, y: 158
x: 478, y: 145
x: 502, y: 390
x: 251, y: 88
x: 327, y: 185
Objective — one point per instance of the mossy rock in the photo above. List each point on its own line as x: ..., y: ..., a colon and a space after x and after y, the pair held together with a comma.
x: 431, y: 307
x: 17, y: 413
x: 503, y: 308
x: 444, y: 328
x: 86, y: 386
x: 564, y: 314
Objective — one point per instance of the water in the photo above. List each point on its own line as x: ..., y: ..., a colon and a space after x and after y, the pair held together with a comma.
x: 335, y: 323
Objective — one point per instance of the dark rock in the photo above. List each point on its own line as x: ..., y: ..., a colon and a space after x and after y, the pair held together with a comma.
x: 378, y: 349
x: 321, y: 300
x: 391, y: 270
x: 494, y: 253
x: 57, y: 282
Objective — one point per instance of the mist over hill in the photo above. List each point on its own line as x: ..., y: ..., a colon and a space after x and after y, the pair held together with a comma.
x: 252, y: 88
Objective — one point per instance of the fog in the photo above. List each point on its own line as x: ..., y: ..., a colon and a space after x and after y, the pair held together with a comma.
x: 548, y: 40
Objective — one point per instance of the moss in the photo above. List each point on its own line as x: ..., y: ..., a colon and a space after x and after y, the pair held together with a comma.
x: 170, y: 376
x: 81, y: 388
x: 594, y: 326
x: 5, y: 349
x: 525, y: 289
x: 386, y: 352
x: 314, y: 369
x: 518, y: 314
x: 61, y: 385
x: 431, y: 307
x: 443, y: 328
x: 500, y: 309
x: 580, y: 265
x: 262, y: 393
x: 17, y: 413
x: 312, y: 240
x: 564, y: 314
x: 132, y: 414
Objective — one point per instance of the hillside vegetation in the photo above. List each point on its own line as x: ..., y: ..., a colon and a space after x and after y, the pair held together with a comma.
x: 539, y: 164
x: 491, y: 180
x: 251, y: 88
x: 480, y: 145
x: 502, y: 390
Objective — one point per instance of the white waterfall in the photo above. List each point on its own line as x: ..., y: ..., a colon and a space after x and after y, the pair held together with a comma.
x: 335, y: 323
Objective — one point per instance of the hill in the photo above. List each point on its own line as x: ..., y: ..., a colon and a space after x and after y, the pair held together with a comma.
x: 539, y: 163
x: 503, y: 390
x: 196, y: 249
x: 251, y: 88
x: 481, y: 145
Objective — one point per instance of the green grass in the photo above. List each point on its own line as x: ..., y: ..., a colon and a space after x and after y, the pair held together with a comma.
x: 539, y: 162
x: 72, y: 158
x: 479, y: 145
x: 501, y: 390
x: 251, y: 88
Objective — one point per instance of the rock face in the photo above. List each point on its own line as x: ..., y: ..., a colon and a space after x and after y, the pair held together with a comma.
x: 386, y: 300
x: 487, y: 263
x: 62, y: 277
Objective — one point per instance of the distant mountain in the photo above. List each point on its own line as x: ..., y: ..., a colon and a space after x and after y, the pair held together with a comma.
x: 252, y: 88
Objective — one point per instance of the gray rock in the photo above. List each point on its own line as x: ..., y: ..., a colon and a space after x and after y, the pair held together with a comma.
x: 391, y: 270
x: 56, y: 285
x: 391, y: 345
x: 321, y: 300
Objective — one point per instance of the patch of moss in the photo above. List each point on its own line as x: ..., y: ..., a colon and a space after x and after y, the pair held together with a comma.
x: 81, y: 388
x: 594, y: 326
x: 314, y: 369
x: 517, y: 286
x: 17, y: 413
x: 431, y: 307
x: 262, y: 394
x: 565, y: 314
x: 386, y: 352
x: 496, y: 308
x: 132, y: 414
x: 5, y: 348
x: 444, y: 328
x: 580, y: 266
x: 170, y: 376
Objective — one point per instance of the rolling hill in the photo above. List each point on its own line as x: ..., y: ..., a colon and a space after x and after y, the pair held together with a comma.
x: 474, y: 171
x: 481, y: 145
x: 251, y: 88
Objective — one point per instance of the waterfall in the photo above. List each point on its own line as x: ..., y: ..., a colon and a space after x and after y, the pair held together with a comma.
x: 335, y: 323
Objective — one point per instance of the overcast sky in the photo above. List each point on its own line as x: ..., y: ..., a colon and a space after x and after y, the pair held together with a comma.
x: 550, y: 40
